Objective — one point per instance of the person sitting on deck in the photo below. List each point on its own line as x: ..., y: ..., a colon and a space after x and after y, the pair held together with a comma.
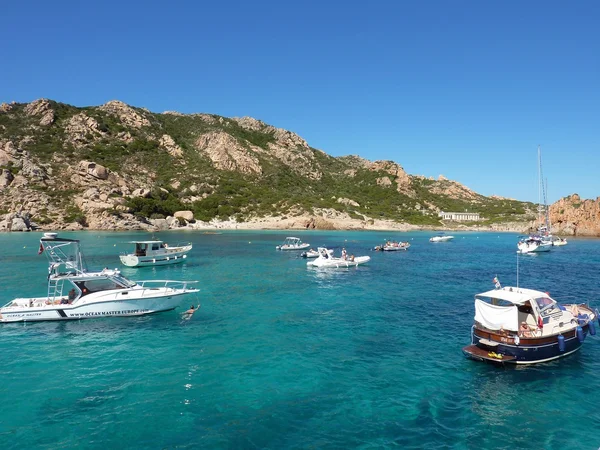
x: 524, y: 330
x: 574, y: 309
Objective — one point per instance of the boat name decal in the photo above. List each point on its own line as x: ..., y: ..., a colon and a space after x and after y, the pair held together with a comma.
x: 108, y: 313
x: 11, y: 315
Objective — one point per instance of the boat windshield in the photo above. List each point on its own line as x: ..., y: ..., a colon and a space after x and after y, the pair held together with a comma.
x: 544, y: 303
x: 124, y: 281
x: 99, y: 284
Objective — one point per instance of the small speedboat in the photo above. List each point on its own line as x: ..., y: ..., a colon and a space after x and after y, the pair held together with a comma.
x: 292, y: 243
x: 524, y: 326
x: 558, y: 241
x: 75, y: 293
x: 441, y: 238
x: 326, y: 259
x: 155, y: 253
x: 313, y: 253
x: 392, y: 246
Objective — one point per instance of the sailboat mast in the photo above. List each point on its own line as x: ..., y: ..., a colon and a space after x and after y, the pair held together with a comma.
x: 547, y: 211
x: 539, y: 187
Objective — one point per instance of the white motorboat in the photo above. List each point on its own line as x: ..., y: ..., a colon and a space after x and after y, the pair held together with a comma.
x: 313, y: 253
x: 558, y: 241
x: 76, y: 293
x: 392, y: 246
x: 155, y: 253
x: 533, y: 244
x: 292, y: 243
x: 441, y: 238
x: 524, y: 326
x: 326, y: 259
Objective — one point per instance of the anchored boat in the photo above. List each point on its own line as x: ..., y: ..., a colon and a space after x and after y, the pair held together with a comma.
x: 155, y: 253
x: 326, y: 259
x: 392, y: 246
x: 312, y: 253
x: 76, y: 293
x: 441, y: 237
x: 533, y: 244
x: 292, y: 243
x: 524, y: 326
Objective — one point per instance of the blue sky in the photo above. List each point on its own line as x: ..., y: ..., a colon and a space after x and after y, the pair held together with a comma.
x: 467, y: 89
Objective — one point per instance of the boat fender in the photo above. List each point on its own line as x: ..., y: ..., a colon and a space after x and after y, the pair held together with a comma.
x: 517, y: 340
x: 176, y: 257
x: 592, y: 326
x: 184, y: 256
x: 153, y: 260
x: 167, y: 258
x: 561, y: 343
x: 580, y: 334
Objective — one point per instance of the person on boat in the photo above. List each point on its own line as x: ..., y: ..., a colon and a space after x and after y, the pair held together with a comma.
x: 343, y: 253
x: 524, y: 330
x: 352, y: 258
x: 72, y: 295
x: 574, y: 309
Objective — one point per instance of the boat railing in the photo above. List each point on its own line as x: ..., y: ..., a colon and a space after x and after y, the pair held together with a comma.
x: 170, y: 284
x: 177, y: 247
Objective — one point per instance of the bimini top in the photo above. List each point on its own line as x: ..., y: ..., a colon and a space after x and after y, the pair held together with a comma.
x: 516, y: 296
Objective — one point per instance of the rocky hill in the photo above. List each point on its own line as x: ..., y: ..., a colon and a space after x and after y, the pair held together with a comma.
x: 120, y: 167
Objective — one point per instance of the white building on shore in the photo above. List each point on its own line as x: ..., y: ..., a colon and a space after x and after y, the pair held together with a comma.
x: 459, y: 216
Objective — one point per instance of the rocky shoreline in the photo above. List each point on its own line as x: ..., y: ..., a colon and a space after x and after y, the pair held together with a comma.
x: 183, y: 220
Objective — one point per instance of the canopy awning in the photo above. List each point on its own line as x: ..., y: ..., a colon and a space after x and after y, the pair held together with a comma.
x: 516, y: 296
x: 496, y: 317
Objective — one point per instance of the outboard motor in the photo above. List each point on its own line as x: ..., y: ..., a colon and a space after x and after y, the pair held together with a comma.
x: 580, y: 334
x: 561, y: 343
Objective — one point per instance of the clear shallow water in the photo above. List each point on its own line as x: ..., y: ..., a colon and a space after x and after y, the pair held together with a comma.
x: 280, y: 356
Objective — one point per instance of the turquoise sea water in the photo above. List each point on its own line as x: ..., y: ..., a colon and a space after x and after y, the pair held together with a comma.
x: 281, y: 356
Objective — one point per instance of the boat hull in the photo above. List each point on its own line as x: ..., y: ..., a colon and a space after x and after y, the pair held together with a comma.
x: 395, y: 249
x: 141, y: 261
x: 527, y: 352
x: 95, y: 309
x: 338, y: 263
x: 534, y: 248
x: 441, y: 239
x: 293, y: 247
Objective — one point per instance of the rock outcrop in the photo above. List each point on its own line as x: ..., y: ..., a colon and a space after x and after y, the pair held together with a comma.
x: 126, y: 114
x: 81, y: 128
x: 573, y: 216
x: 42, y: 108
x: 400, y: 177
x: 227, y: 153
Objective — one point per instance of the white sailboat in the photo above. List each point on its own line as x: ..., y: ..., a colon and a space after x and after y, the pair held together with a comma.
x: 541, y: 242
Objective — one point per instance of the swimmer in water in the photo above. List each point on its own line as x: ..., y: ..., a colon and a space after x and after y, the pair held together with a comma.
x: 189, y: 312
